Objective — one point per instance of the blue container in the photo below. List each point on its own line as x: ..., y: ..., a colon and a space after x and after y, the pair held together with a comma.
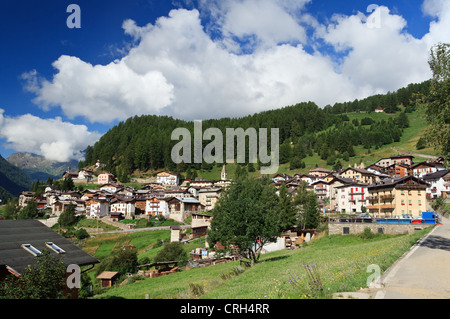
x: 428, y: 215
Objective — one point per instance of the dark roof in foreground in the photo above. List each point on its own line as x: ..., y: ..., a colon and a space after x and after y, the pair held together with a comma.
x: 14, y: 233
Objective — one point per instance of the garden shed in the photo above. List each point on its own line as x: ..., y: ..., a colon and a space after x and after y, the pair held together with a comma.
x: 107, y: 278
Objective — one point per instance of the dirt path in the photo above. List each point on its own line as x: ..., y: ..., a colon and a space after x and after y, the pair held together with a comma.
x: 414, y: 154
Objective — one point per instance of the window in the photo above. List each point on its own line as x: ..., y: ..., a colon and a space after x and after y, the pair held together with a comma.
x: 55, y: 248
x: 32, y: 250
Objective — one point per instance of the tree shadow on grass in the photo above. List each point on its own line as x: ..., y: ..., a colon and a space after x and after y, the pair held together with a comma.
x: 275, y: 258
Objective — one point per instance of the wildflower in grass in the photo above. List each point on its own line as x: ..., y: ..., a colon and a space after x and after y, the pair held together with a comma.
x: 314, y: 280
x: 314, y: 286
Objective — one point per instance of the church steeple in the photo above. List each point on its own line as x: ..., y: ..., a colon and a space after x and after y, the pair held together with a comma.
x: 223, y: 175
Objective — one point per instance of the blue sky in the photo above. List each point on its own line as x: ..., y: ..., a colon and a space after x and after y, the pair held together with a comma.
x: 62, y: 88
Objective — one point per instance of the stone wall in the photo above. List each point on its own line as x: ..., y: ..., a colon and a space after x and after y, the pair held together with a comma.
x: 391, y: 229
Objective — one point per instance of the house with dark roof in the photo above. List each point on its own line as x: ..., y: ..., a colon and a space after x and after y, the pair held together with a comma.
x: 438, y: 183
x: 397, y: 197
x: 22, y: 241
x: 423, y: 168
x: 360, y: 175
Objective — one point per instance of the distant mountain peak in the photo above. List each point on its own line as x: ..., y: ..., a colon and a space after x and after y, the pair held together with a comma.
x: 38, y: 167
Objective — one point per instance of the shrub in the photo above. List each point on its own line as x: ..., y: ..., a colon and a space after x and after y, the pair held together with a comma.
x: 173, y: 251
x: 81, y: 234
x: 367, y: 234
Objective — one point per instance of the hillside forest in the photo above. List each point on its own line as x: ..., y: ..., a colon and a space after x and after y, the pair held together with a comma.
x: 144, y: 142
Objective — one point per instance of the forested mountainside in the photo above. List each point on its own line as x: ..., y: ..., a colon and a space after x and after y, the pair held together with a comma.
x: 40, y: 168
x: 144, y: 142
x: 12, y: 180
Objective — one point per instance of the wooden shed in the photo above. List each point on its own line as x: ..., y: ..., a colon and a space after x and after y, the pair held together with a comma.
x: 107, y: 278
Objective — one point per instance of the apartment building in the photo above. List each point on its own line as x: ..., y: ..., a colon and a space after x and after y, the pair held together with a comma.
x: 397, y: 197
x: 351, y: 198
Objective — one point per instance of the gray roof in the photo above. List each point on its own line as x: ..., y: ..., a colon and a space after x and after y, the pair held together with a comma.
x: 436, y: 175
x: 14, y: 233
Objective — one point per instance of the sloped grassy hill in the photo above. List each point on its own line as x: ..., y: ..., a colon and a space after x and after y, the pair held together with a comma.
x: 340, y: 261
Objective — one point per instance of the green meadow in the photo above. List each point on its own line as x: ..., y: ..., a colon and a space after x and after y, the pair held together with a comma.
x: 340, y: 263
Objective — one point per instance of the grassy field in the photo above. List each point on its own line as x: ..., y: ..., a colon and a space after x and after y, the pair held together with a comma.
x: 340, y: 261
x: 101, y: 246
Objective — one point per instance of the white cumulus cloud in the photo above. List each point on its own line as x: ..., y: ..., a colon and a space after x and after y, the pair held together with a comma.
x: 249, y: 57
x: 51, y: 138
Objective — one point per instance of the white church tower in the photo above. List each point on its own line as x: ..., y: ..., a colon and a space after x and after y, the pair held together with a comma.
x: 223, y: 175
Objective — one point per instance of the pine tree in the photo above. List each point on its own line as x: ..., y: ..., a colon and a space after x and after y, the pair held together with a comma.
x: 288, y: 214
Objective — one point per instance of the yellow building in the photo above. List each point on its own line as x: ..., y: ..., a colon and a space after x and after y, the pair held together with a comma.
x: 398, y: 197
x: 359, y: 175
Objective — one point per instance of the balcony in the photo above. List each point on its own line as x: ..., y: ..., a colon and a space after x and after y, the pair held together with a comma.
x: 381, y: 206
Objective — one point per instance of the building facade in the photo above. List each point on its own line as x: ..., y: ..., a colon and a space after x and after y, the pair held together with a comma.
x: 397, y: 197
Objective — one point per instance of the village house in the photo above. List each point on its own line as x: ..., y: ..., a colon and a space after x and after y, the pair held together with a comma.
x: 24, y: 240
x: 156, y: 206
x: 402, y: 159
x: 438, y: 184
x: 333, y: 190
x: 446, y: 191
x: 86, y: 175
x: 166, y: 178
x: 72, y: 175
x: 397, y: 197
x: 200, y: 182
x: 123, y: 205
x: 200, y: 224
x: 182, y: 207
x: 279, y: 178
x: 209, y: 196
x: 25, y: 197
x: 398, y: 170
x: 379, y: 110
x: 352, y: 198
x: 70, y: 195
x: 111, y: 187
x: 60, y: 205
x: 322, y: 189
x: 319, y: 172
x: 424, y: 168
x: 193, y: 191
x: 105, y: 178
x: 382, y: 162
x: 307, y: 178
x: 177, y: 192
x: 98, y: 207
x: 396, y: 159
x: 359, y: 175
x: 126, y: 191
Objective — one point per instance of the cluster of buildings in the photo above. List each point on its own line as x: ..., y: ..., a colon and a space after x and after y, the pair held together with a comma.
x: 166, y: 197
x: 391, y: 187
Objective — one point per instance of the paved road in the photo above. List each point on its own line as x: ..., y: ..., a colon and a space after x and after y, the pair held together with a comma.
x: 424, y: 272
